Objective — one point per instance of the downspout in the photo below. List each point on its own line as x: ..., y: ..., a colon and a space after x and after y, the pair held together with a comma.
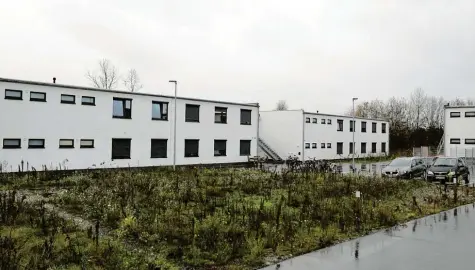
x: 303, y: 135
x: 258, y: 122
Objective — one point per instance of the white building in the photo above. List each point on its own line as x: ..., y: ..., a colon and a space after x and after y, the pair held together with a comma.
x: 459, y: 131
x: 321, y: 136
x: 77, y: 127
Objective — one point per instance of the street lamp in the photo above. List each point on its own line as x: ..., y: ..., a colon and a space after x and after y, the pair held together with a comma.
x: 354, y: 127
x: 174, y: 125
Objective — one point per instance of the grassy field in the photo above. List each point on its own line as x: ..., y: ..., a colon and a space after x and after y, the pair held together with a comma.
x: 198, y: 218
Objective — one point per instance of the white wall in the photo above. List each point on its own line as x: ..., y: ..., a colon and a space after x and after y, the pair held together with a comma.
x: 53, y: 120
x: 324, y: 133
x: 282, y: 131
x: 459, y: 128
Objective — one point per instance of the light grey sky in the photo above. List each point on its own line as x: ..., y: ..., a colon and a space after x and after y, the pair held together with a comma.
x: 315, y: 54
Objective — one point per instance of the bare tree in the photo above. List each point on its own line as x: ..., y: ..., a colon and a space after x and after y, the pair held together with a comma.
x: 282, y: 105
x: 417, y: 106
x: 132, y: 81
x: 106, y: 77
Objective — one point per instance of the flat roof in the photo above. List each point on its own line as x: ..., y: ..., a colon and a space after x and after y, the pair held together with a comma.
x: 332, y: 115
x: 121, y: 92
x: 459, y: 107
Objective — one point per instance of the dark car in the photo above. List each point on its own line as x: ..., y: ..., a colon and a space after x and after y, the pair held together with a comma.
x: 405, y: 167
x: 442, y: 166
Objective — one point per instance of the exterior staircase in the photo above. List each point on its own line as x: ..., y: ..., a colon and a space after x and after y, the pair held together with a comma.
x: 440, y: 147
x: 269, y: 151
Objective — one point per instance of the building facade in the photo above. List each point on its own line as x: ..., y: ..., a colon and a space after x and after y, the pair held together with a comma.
x: 61, y: 126
x: 322, y: 136
x: 459, y: 131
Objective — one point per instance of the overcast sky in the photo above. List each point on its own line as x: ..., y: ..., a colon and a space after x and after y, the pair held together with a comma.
x: 316, y: 55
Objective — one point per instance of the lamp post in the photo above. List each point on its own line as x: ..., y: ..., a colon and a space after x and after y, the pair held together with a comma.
x: 174, y: 125
x: 354, y: 127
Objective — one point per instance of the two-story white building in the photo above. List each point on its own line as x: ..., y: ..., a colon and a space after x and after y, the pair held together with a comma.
x: 63, y: 126
x: 322, y: 136
x: 459, y: 131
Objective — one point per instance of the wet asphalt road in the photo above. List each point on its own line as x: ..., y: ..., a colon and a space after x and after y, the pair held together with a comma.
x: 442, y: 241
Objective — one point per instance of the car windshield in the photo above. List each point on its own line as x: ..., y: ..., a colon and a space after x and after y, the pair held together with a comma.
x: 448, y: 162
x: 399, y: 162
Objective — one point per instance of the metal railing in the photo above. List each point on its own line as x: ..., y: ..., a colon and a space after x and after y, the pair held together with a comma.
x: 440, y: 147
x: 268, y: 150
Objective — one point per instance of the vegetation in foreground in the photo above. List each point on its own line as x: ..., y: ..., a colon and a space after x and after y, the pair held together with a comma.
x: 201, y: 218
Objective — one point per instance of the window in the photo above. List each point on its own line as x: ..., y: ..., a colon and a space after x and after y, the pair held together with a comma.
x: 91, y: 101
x: 329, y: 121
x: 363, y: 148
x: 454, y: 114
x: 219, y: 148
x: 66, y: 143
x: 307, y: 145
x: 191, y: 148
x: 220, y: 115
x: 469, y: 141
x: 68, y: 99
x: 121, y: 149
x: 122, y: 108
x: 36, y: 143
x: 469, y: 114
x: 322, y: 145
x: 192, y: 113
x: 86, y: 143
x: 159, y: 110
x: 340, y: 125
x: 373, y: 127
x: 351, y: 148
x: 314, y: 145
x: 11, y: 143
x: 339, y: 148
x: 323, y: 121
x: 245, y: 117
x: 383, y: 127
x: 158, y: 148
x: 315, y: 120
x: 329, y: 145
x: 38, y: 96
x: 454, y: 141
x: 352, y: 125
x: 245, y: 147
x: 307, y: 120
x: 383, y: 147
x: 373, y: 147
x: 363, y: 126
x: 13, y: 94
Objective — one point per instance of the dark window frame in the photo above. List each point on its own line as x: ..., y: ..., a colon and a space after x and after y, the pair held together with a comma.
x: 12, y: 146
x: 156, y: 151
x: 363, y: 126
x: 189, y: 119
x: 243, y: 112
x: 383, y: 147
x: 383, y: 127
x: 12, y: 97
x: 470, y: 114
x: 314, y: 145
x: 455, y: 114
x: 115, y: 150
x: 241, y: 149
x: 223, y: 115
x: 469, y: 141
x: 351, y: 147
x: 374, y: 127
x: 329, y: 145
x: 187, y: 154
x: 68, y: 101
x: 88, y: 103
x: 160, y: 104
x: 329, y: 121
x: 126, y: 113
x: 374, y: 148
x: 339, y: 148
x: 352, y: 125
x: 307, y: 145
x: 86, y: 146
x: 363, y: 148
x: 42, y: 146
x: 322, y: 145
x: 216, y: 143
x: 314, y: 121
x: 307, y: 120
x: 455, y: 141
x: 66, y: 146
x: 340, y: 125
x: 323, y: 121
x: 38, y: 99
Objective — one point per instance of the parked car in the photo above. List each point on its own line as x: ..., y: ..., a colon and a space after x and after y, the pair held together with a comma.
x: 442, y: 166
x: 406, y: 167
